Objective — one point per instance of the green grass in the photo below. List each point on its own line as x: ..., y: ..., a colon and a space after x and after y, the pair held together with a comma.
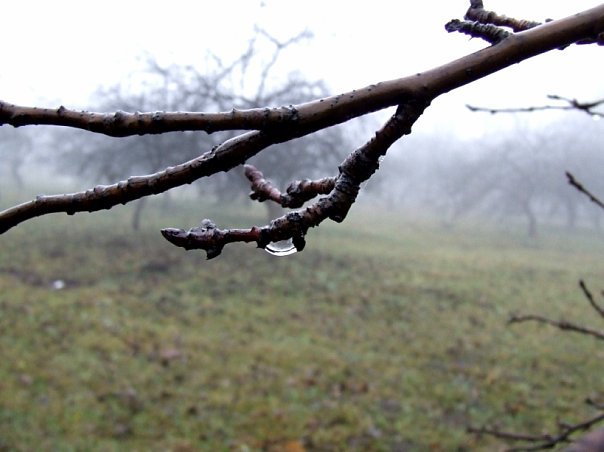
x: 386, y: 333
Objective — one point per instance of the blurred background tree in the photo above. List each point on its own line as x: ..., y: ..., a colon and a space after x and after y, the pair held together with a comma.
x: 247, y: 82
x: 15, y: 148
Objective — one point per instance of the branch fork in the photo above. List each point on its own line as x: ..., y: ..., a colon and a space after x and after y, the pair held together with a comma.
x: 343, y: 190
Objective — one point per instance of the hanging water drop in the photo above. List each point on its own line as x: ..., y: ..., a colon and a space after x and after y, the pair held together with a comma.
x: 281, y: 248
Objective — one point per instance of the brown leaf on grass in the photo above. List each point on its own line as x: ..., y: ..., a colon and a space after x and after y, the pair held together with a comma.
x: 288, y: 446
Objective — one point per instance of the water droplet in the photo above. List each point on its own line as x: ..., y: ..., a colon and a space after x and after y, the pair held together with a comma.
x: 281, y: 248
x: 58, y: 284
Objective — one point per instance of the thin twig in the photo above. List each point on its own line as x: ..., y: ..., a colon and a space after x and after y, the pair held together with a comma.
x: 490, y: 33
x: 593, y: 403
x: 262, y: 189
x: 572, y: 104
x: 575, y: 183
x: 528, y: 109
x: 599, y: 309
x: 544, y: 441
x: 561, y: 324
x: 279, y: 47
x: 479, y: 14
x: 297, y: 193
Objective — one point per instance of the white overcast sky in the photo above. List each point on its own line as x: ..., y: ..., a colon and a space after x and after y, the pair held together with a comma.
x: 59, y: 52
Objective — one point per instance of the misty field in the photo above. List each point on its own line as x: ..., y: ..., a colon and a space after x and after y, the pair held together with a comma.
x: 386, y: 333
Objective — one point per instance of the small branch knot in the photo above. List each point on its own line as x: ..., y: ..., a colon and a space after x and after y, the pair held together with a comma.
x: 490, y: 33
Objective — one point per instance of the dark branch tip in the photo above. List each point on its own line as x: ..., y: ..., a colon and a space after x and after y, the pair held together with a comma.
x: 213, y: 252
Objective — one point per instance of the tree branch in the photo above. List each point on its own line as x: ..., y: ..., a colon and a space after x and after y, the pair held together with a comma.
x: 224, y: 157
x: 487, y: 32
x: 275, y: 125
x: 123, y: 124
x: 356, y: 169
x: 479, y: 14
x: 575, y: 183
x: 593, y: 403
x: 298, y: 192
x: 565, y: 430
x: 561, y: 324
x: 573, y: 104
x: 599, y: 309
x: 334, y: 109
x: 564, y: 325
x: 544, y: 441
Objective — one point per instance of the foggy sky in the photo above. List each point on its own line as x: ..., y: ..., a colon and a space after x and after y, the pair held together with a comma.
x: 60, y: 52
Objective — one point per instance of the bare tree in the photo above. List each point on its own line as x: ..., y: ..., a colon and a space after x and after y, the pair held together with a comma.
x: 15, y: 148
x: 521, y: 175
x: 267, y: 126
x: 566, y: 432
x: 186, y: 88
x: 587, y: 164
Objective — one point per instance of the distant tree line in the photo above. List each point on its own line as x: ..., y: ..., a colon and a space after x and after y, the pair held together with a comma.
x: 15, y: 148
x: 515, y: 175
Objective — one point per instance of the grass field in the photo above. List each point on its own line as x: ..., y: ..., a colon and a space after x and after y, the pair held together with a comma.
x: 386, y: 333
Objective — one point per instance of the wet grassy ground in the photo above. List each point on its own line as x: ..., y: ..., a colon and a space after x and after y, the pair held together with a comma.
x: 384, y: 334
